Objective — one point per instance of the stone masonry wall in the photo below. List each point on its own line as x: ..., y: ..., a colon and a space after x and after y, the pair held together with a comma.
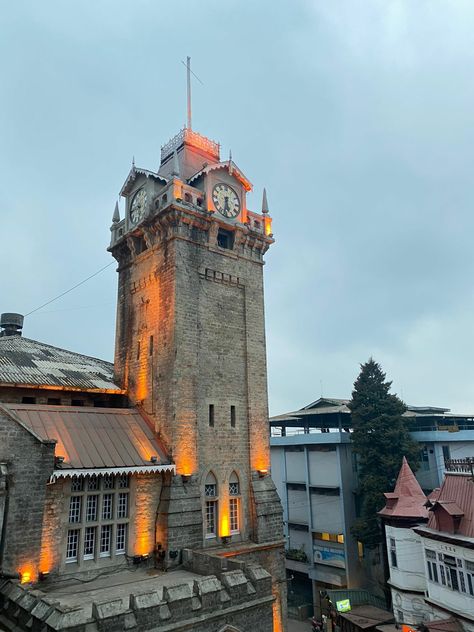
x: 30, y: 463
x: 237, y: 594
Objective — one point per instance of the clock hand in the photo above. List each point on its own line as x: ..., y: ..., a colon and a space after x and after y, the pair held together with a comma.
x: 226, y: 204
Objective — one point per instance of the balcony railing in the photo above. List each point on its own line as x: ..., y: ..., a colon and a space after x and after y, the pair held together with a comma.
x: 465, y: 466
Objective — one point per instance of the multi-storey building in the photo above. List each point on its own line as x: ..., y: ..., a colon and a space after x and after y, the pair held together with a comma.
x: 430, y: 548
x: 161, y: 460
x: 316, y: 476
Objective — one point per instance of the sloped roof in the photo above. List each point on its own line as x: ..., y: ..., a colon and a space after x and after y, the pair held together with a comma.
x: 134, y: 173
x: 229, y: 166
x: 27, y: 362
x: 408, y: 499
x: 90, y: 438
x: 444, y: 625
x: 456, y: 496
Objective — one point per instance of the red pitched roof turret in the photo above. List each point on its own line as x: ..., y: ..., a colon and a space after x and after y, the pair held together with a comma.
x: 408, y: 499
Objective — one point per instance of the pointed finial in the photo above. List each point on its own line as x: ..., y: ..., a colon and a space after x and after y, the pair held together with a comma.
x: 116, y: 215
x: 264, y: 202
x: 175, y: 171
x: 133, y: 162
x: 230, y: 161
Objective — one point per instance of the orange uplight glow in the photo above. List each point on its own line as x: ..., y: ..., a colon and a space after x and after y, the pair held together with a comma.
x: 144, y: 524
x: 224, y: 526
x: 277, y: 621
x: 26, y: 575
x: 268, y: 225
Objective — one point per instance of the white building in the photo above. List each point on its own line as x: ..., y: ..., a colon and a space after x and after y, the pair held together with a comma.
x: 432, y: 563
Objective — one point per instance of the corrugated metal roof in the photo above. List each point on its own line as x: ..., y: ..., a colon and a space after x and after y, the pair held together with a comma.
x: 30, y: 363
x: 93, y: 437
x: 456, y: 494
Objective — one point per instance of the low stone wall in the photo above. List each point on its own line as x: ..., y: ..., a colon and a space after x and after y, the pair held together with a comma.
x: 237, y: 594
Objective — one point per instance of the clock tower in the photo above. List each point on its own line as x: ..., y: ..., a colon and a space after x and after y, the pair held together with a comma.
x: 190, y: 350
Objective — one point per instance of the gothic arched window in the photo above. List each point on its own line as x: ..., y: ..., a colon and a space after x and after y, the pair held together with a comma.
x: 234, y: 503
x: 211, y: 496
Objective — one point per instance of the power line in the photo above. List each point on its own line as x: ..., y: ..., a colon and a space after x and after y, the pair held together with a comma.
x: 70, y: 289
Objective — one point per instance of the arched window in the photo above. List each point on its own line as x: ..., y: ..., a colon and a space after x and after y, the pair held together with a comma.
x: 210, y: 493
x: 188, y: 198
x: 234, y: 503
x: 164, y: 199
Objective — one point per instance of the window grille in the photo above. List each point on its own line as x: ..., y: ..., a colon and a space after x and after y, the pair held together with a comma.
x: 108, y: 481
x: 234, y: 515
x: 75, y: 509
x: 393, y: 553
x: 211, y: 518
x: 234, y: 489
x: 121, y: 538
x: 123, y: 481
x: 107, y: 506
x: 77, y: 484
x: 105, y: 538
x: 92, y: 541
x: 91, y: 512
x: 89, y: 543
x: 122, y: 506
x: 72, y: 545
x: 93, y: 484
x: 210, y: 490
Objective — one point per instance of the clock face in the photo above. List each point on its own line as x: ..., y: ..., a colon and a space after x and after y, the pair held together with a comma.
x: 226, y: 200
x: 137, y: 207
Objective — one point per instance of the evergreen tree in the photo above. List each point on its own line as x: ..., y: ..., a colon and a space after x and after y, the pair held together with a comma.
x: 380, y: 441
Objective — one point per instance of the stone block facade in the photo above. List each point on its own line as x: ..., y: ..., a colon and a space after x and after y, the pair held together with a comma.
x: 238, y: 597
x: 28, y: 463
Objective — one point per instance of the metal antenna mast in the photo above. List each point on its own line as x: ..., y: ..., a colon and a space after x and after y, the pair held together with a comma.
x: 188, y: 68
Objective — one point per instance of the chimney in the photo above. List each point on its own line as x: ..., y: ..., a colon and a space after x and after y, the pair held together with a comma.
x: 11, y: 324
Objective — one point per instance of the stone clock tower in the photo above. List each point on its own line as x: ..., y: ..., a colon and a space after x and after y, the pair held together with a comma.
x: 190, y: 350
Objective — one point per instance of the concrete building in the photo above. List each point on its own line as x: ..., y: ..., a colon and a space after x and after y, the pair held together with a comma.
x: 316, y: 476
x: 160, y: 462
x: 430, y: 545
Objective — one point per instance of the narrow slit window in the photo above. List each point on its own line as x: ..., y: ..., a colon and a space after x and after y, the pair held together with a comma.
x: 150, y: 351
x: 211, y: 415
x: 232, y: 416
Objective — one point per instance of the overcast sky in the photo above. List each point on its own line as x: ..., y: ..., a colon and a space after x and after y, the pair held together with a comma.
x: 356, y: 115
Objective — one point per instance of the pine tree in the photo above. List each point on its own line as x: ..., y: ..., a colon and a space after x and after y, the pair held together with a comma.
x: 380, y: 439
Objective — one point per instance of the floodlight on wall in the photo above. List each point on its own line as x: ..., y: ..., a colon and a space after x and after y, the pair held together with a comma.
x: 58, y: 460
x: 262, y: 473
x: 154, y: 458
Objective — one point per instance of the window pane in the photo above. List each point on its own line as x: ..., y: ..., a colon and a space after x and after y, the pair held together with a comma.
x: 75, y: 509
x: 89, y: 543
x: 77, y: 484
x: 122, y: 507
x: 93, y: 483
x: 107, y: 506
x: 210, y: 490
x: 121, y: 538
x: 123, y: 481
x: 234, y: 515
x: 234, y: 489
x: 105, y: 537
x: 72, y: 544
x: 91, y: 512
x: 108, y: 481
x: 211, y: 506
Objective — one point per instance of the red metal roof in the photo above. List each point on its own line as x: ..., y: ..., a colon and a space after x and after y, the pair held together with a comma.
x: 408, y: 499
x: 90, y: 438
x: 456, y: 496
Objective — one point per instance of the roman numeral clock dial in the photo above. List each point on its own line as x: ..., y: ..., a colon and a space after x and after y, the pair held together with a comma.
x: 226, y: 200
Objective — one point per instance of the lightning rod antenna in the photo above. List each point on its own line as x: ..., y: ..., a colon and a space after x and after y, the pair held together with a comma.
x: 188, y: 68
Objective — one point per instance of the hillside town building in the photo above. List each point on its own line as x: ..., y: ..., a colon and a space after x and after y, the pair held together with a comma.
x: 315, y: 472
x: 430, y: 549
x: 111, y: 475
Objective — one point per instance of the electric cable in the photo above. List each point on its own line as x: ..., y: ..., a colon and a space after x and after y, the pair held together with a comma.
x: 70, y: 289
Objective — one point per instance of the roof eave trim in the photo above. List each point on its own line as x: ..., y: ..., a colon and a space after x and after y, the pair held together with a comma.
x: 95, y: 471
x: 63, y: 387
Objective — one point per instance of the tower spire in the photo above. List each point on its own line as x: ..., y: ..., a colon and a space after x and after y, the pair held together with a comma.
x: 188, y: 78
x: 116, y: 215
x: 264, y: 202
